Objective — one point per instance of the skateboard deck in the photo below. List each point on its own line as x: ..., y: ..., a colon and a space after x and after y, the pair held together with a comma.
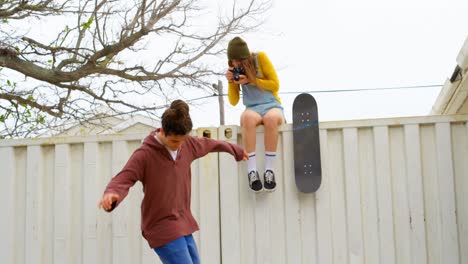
x: 306, y: 144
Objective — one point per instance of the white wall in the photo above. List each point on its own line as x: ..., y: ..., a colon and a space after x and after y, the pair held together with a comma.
x: 393, y: 191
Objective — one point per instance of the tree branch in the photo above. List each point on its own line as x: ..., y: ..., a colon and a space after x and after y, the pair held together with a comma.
x: 117, y: 53
x: 20, y: 100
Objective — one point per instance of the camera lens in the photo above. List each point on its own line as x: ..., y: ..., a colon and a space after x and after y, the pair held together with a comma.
x: 237, y: 71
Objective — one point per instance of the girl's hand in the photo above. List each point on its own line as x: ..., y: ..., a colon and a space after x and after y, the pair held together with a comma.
x: 243, y: 79
x: 229, y: 76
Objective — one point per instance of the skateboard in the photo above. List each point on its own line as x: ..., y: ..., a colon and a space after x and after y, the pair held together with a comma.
x: 306, y: 144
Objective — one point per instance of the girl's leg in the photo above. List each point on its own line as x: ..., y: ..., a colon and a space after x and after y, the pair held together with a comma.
x: 249, y: 122
x: 272, y: 120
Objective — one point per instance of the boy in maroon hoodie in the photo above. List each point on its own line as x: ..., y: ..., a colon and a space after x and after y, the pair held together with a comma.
x: 162, y: 164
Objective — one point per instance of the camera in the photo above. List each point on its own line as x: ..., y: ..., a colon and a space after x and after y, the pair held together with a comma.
x: 238, y: 71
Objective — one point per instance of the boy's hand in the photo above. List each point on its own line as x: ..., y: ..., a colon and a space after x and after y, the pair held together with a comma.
x: 246, y: 156
x: 107, y: 200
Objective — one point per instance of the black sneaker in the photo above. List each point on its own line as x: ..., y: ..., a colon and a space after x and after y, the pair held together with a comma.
x: 269, y: 180
x: 254, y: 181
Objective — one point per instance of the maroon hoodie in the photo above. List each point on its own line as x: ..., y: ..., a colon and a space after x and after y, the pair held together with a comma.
x: 165, y: 209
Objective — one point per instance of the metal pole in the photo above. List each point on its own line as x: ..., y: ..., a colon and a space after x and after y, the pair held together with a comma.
x: 219, y: 87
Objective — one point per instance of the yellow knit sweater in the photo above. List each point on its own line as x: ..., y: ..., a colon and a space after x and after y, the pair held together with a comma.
x: 268, y: 80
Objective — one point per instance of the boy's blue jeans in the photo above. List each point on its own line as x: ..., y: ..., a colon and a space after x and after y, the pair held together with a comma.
x: 180, y: 251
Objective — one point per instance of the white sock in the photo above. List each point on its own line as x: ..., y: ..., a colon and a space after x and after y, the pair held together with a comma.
x: 270, y: 160
x: 251, y: 162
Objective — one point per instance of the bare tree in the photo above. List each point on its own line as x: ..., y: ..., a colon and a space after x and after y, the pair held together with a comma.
x: 118, y: 53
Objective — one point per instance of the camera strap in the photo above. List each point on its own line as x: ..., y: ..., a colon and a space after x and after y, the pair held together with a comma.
x: 256, y: 64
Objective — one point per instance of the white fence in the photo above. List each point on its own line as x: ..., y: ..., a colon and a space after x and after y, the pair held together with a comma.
x: 393, y: 191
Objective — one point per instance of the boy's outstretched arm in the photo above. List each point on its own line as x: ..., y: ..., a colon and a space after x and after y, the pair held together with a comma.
x: 203, y: 146
x: 118, y: 187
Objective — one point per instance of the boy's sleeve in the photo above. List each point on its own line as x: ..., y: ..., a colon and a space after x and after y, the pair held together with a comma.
x: 270, y: 80
x: 132, y: 172
x: 203, y: 146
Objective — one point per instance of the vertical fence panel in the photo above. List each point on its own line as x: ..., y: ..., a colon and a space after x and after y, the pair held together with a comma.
x: 20, y: 198
x: 229, y: 201
x: 431, y: 195
x: 323, y: 205
x: 90, y: 195
x: 76, y: 202
x: 104, y: 220
x: 384, y: 195
x: 308, y: 228
x: 415, y: 193
x: 34, y: 229
x: 121, y: 216
x: 134, y: 198
x: 353, y: 196
x: 277, y: 217
x: 62, y: 205
x: 208, y: 202
x: 460, y: 154
x: 400, y: 196
x: 195, y: 195
x: 7, y: 205
x: 338, y: 197
x: 292, y: 205
x: 247, y: 218
x: 262, y: 209
x: 446, y: 189
x: 369, y: 200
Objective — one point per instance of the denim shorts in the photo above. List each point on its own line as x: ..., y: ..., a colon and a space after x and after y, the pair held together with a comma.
x: 262, y: 109
x: 182, y: 250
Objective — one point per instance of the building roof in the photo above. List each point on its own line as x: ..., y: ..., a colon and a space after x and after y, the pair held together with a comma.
x: 453, y: 98
x: 104, y: 123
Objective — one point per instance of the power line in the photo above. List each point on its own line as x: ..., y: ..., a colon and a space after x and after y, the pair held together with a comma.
x: 298, y: 92
x: 339, y: 90
x: 366, y: 89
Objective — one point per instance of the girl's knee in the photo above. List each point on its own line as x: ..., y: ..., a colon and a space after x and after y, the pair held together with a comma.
x: 249, y: 123
x: 250, y: 119
x: 272, y: 120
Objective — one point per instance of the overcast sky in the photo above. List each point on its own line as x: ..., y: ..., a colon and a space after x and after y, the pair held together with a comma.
x: 346, y: 45
x: 322, y: 46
